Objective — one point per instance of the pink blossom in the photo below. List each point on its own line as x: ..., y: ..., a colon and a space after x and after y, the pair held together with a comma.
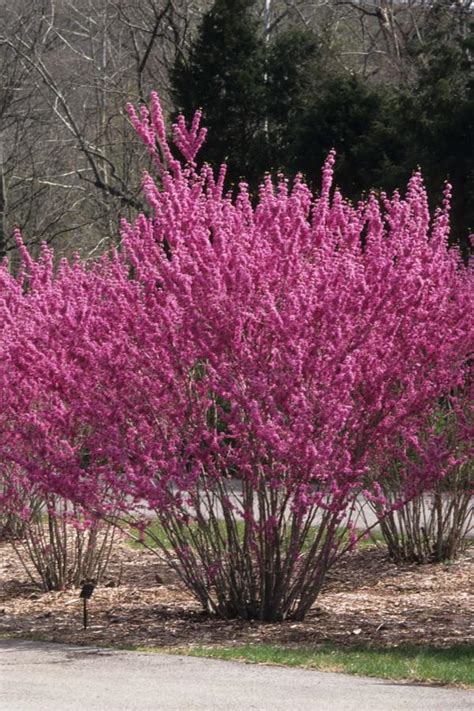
x: 267, y: 344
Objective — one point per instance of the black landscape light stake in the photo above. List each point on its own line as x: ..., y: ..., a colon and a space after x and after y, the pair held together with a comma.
x: 86, y: 593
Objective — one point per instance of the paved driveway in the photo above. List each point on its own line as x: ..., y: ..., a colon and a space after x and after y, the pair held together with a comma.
x: 36, y: 676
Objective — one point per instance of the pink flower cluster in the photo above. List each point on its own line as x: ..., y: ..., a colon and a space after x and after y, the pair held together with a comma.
x: 290, y: 339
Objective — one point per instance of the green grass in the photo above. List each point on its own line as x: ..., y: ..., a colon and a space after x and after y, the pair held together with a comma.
x: 155, y: 531
x: 152, y: 532
x: 454, y: 666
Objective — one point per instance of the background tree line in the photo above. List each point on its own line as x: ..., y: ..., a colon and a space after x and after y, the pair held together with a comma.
x: 387, y: 83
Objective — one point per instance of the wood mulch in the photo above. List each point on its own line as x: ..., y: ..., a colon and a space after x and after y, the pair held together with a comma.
x: 366, y: 600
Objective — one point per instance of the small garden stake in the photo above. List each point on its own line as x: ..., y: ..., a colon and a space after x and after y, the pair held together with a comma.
x: 86, y: 593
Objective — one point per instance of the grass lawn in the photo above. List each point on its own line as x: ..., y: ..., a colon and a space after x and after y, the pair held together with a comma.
x: 454, y: 665
x: 155, y: 531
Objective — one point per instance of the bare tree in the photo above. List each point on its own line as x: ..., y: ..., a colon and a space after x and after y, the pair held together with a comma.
x: 385, y: 38
x: 80, y: 62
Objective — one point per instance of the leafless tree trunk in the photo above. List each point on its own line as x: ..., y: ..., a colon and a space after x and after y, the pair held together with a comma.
x: 3, y: 206
x: 71, y: 171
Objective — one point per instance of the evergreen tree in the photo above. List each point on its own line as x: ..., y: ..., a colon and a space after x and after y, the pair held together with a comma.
x: 294, y: 67
x: 345, y: 113
x: 224, y: 74
x: 284, y: 105
x: 440, y: 113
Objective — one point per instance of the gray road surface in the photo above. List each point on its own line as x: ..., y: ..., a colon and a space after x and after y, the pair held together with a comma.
x: 37, y: 676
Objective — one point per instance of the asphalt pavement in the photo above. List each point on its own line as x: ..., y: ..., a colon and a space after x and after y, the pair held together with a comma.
x: 39, y: 676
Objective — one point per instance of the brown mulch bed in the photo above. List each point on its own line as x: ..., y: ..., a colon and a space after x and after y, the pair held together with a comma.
x: 367, y: 600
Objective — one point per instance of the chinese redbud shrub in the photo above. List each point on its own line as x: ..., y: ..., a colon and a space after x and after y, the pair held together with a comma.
x: 57, y: 543
x: 240, y: 368
x: 43, y: 379
x: 303, y: 340
x: 434, y: 526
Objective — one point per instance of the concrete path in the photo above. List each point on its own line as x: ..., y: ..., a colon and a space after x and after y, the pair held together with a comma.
x: 36, y: 676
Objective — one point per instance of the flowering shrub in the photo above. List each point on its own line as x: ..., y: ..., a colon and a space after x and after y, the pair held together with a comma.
x: 44, y: 422
x: 239, y: 368
x: 55, y: 541
x: 434, y: 525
